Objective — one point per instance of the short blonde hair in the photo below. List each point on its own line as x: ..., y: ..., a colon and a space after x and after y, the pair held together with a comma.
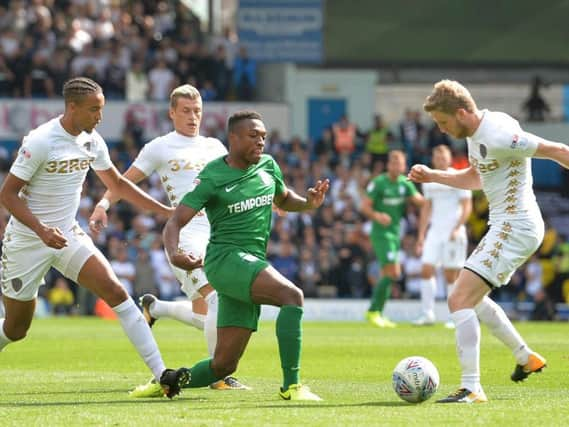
x: 184, y: 91
x: 448, y: 96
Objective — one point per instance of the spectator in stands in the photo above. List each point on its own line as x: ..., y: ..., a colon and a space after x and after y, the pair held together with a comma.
x: 114, y: 82
x: 535, y: 105
x: 244, y: 75
x: 221, y: 73
x: 379, y: 140
x: 38, y: 82
x: 144, y: 280
x: 411, y: 133
x: 124, y: 269
x: 137, y: 85
x: 6, y: 78
x: 60, y: 297
x: 162, y: 80
x: 345, y: 134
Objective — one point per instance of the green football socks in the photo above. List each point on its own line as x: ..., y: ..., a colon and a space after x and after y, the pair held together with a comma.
x: 289, y: 336
x: 381, y: 294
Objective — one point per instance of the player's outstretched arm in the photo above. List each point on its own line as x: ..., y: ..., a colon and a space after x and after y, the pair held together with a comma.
x: 9, y: 197
x: 468, y: 178
x: 98, y: 219
x: 292, y: 202
x: 171, y: 237
x: 125, y: 189
x: 555, y: 151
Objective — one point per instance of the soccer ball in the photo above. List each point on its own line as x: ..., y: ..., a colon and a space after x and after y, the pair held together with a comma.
x: 415, y: 379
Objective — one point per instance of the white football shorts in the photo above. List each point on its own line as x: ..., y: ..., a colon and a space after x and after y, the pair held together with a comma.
x: 439, y: 250
x: 506, y: 246
x: 192, y: 281
x: 26, y: 260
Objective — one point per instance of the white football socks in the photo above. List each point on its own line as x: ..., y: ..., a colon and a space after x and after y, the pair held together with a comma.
x: 4, y: 340
x: 468, y: 347
x: 210, y: 329
x: 140, y: 336
x: 428, y: 291
x: 179, y: 310
x: 493, y: 316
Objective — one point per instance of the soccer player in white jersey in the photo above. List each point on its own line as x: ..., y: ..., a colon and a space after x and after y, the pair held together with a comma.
x: 500, y: 154
x: 178, y: 157
x: 445, y: 212
x: 42, y: 193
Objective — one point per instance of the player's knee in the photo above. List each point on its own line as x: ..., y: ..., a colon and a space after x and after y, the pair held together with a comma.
x: 16, y: 334
x: 294, y: 296
x: 114, y: 294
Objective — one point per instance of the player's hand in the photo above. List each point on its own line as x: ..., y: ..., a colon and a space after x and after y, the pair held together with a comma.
x: 98, y: 221
x: 419, y: 247
x: 454, y: 234
x: 420, y: 174
x: 316, y: 195
x: 53, y: 237
x: 186, y: 261
x: 382, y: 218
x: 280, y: 212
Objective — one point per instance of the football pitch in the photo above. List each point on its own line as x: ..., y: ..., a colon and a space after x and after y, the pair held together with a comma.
x: 77, y: 371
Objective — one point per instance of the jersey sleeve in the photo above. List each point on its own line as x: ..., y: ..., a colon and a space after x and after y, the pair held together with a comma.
x: 410, y: 188
x: 372, y: 189
x: 146, y: 161
x: 514, y: 142
x: 199, y: 196
x: 279, y: 180
x: 31, y: 156
x: 102, y: 158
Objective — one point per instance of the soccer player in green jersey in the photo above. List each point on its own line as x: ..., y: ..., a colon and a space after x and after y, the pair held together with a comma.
x: 237, y: 192
x: 385, y: 204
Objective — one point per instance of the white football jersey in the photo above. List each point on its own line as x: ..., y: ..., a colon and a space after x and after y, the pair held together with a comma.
x: 446, y: 207
x: 178, y: 159
x: 54, y: 164
x: 501, y: 152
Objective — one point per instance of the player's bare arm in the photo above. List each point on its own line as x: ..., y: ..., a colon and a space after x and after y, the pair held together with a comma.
x: 424, y: 221
x: 9, y: 197
x: 125, y: 189
x: 467, y: 179
x: 373, y: 215
x: 555, y: 151
x: 292, y: 202
x: 465, y: 211
x: 98, y: 219
x: 171, y: 238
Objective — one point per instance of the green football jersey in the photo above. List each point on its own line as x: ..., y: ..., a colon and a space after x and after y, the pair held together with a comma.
x: 238, y: 203
x: 389, y: 197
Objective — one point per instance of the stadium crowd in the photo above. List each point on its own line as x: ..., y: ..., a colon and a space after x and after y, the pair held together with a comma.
x: 137, y: 50
x: 140, y: 50
x: 327, y: 252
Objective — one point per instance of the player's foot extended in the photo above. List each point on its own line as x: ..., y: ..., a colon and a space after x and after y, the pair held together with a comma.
x: 146, y: 301
x: 298, y: 392
x: 425, y: 320
x: 536, y: 363
x: 229, y: 383
x: 151, y: 389
x: 449, y: 324
x: 463, y: 395
x: 376, y: 319
x: 172, y: 381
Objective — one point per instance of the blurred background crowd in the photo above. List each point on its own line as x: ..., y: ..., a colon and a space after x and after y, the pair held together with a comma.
x: 141, y: 50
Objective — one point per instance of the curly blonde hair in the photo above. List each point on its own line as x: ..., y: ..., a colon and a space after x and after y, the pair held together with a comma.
x: 448, y: 96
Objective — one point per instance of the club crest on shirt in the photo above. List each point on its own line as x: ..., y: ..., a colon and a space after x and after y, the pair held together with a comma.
x: 517, y: 142
x: 87, y: 146
x: 483, y: 151
x: 25, y: 154
x: 401, y: 190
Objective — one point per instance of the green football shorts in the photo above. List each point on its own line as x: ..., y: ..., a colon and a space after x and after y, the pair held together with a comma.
x: 231, y: 272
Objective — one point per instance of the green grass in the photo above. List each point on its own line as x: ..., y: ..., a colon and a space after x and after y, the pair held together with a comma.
x: 76, y: 371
